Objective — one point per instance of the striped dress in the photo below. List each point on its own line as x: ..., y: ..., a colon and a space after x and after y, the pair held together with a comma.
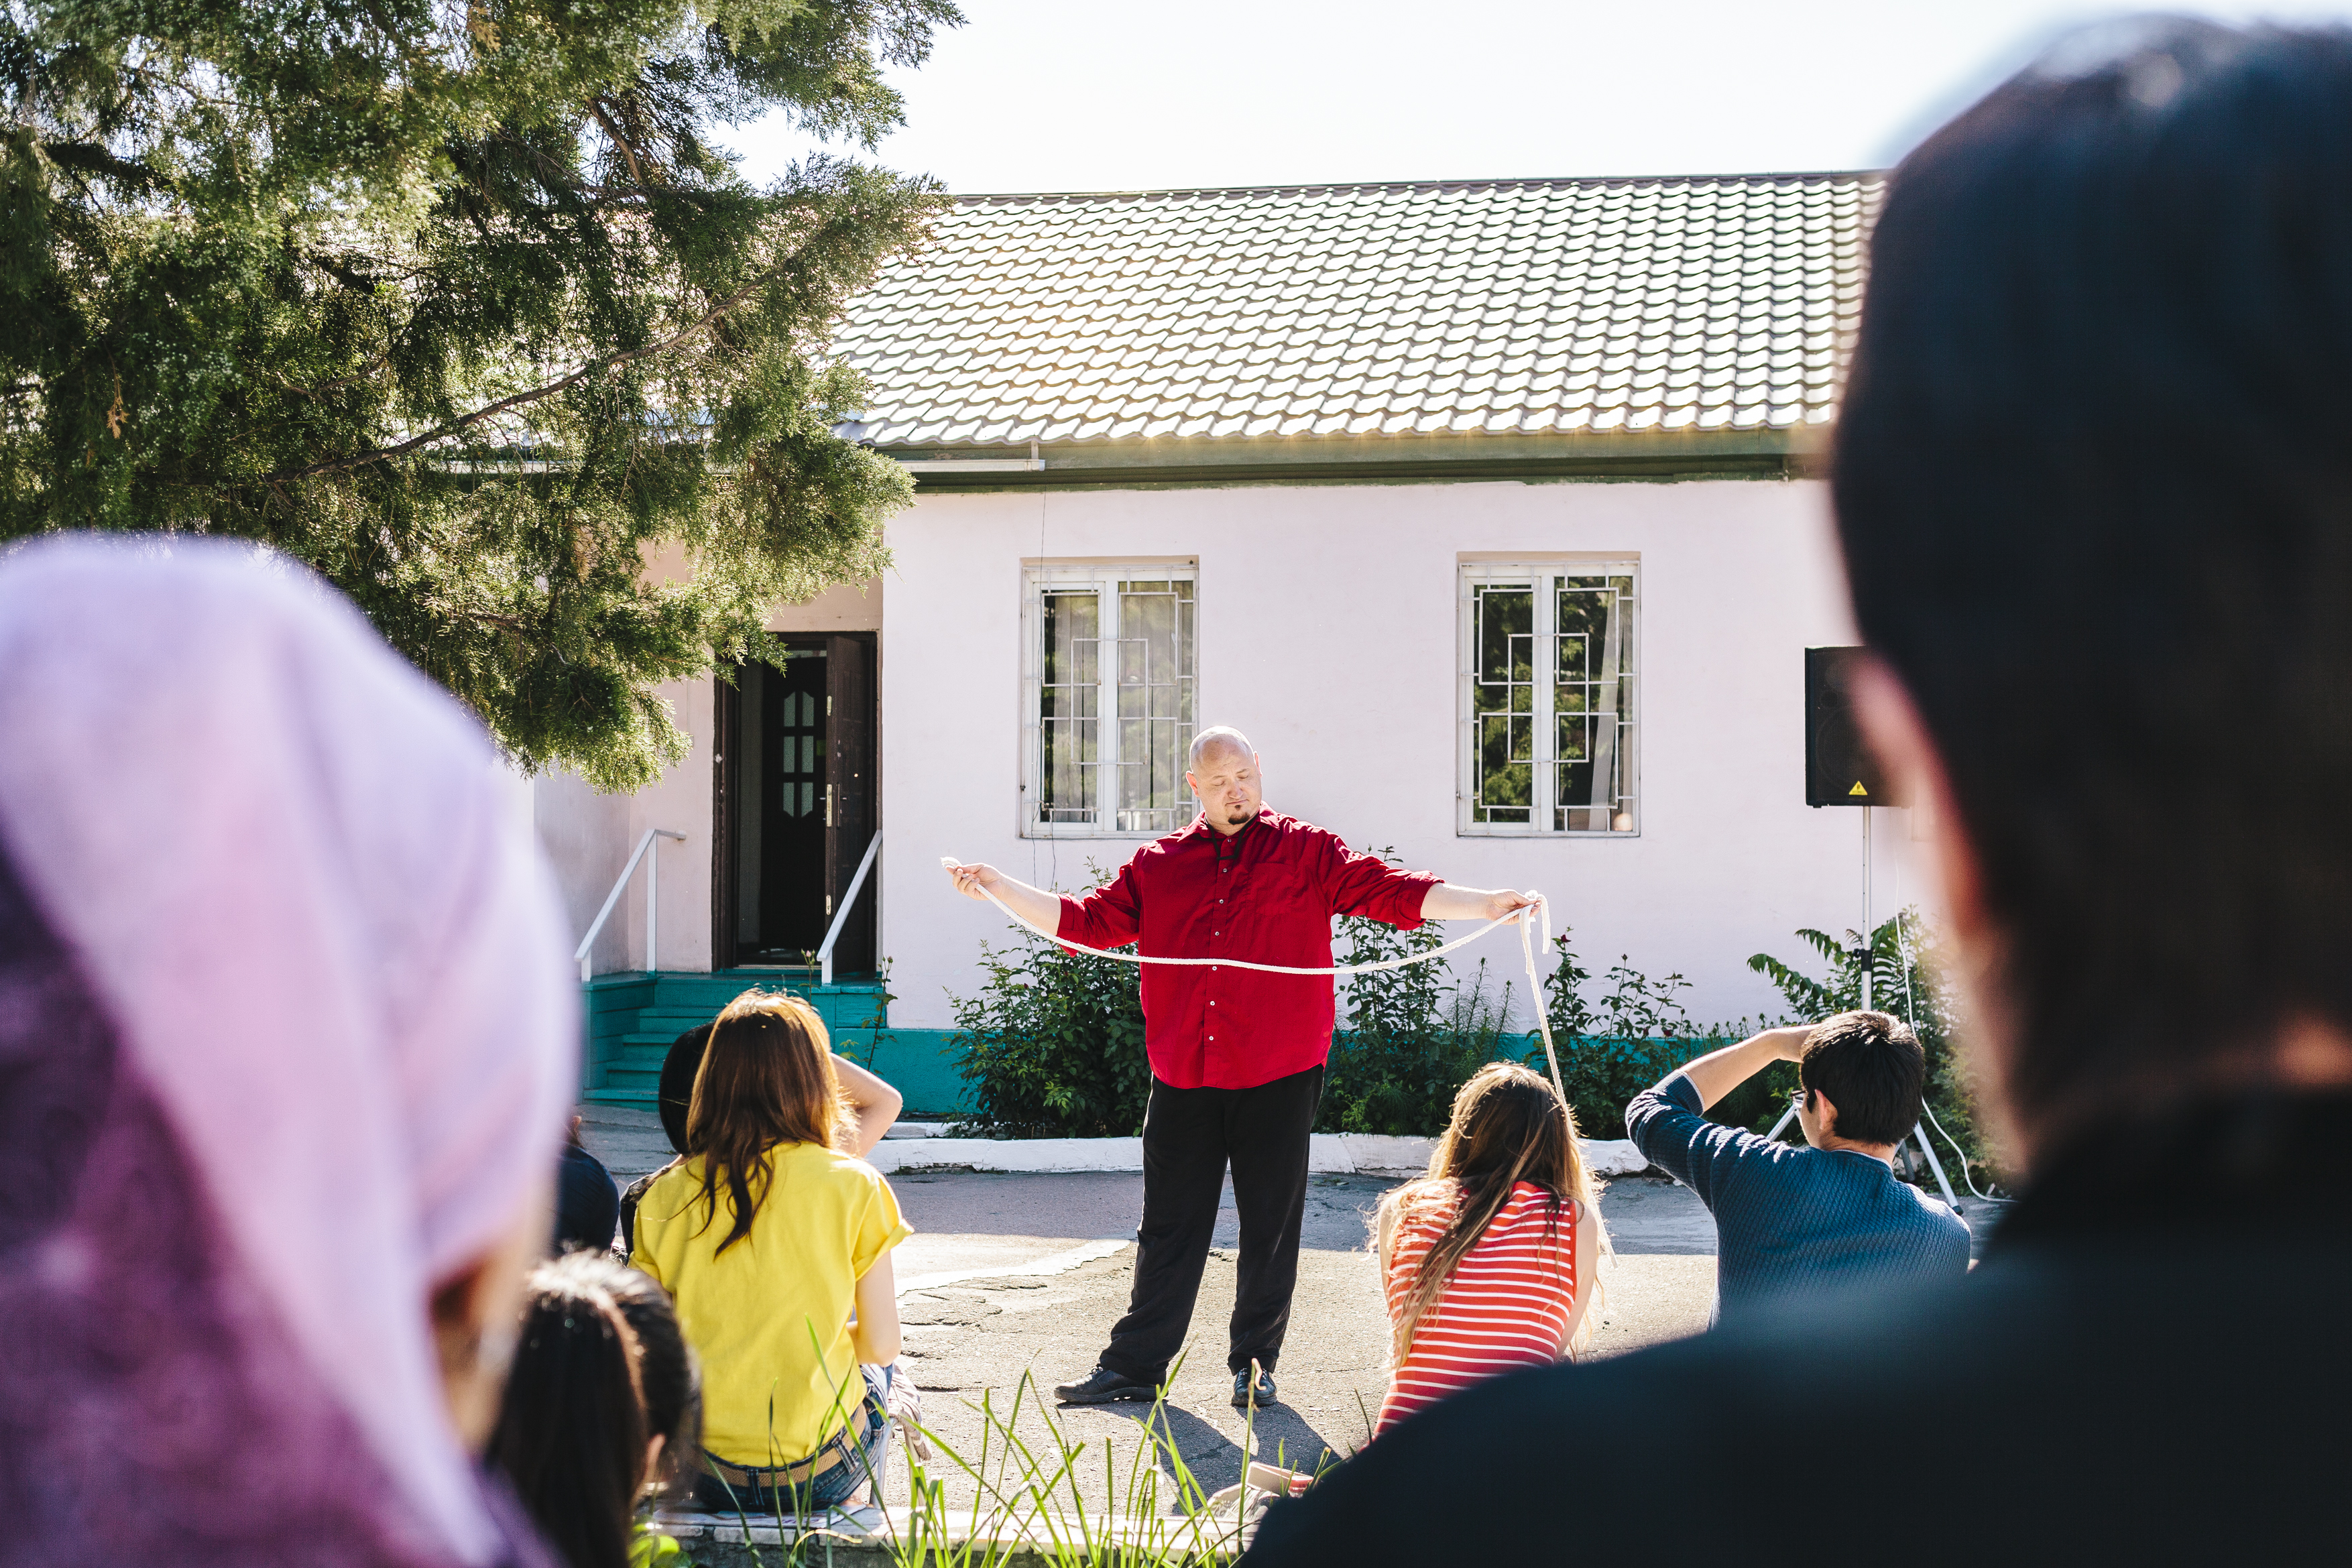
x: 1507, y: 1306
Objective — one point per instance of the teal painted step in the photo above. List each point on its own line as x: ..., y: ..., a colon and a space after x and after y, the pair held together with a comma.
x: 633, y: 1017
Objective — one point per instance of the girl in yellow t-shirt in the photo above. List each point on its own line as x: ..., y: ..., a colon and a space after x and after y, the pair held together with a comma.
x: 767, y: 1235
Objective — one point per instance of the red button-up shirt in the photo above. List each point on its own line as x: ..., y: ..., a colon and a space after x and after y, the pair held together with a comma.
x: 1267, y: 894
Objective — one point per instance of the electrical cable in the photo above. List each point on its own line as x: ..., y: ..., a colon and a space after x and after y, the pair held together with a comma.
x: 1911, y: 1016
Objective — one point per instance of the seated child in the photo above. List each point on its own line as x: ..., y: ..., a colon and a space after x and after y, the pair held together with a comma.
x: 872, y: 1103
x: 670, y: 1385
x: 773, y: 1239
x: 599, y: 1407
x: 1491, y: 1261
x: 587, y: 1205
x: 1800, y: 1224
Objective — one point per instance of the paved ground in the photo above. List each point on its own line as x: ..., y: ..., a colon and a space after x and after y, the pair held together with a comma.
x: 1014, y: 1275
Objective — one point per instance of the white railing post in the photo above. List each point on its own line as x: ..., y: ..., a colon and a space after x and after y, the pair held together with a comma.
x: 841, y: 915
x: 620, y: 884
x: 653, y: 909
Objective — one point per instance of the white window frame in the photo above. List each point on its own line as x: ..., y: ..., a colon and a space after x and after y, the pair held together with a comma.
x: 1104, y: 578
x: 1544, y: 571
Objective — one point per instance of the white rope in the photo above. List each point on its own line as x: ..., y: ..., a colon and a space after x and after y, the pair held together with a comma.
x: 1541, y: 910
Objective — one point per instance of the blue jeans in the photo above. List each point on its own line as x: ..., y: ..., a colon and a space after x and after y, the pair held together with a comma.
x: 861, y: 1450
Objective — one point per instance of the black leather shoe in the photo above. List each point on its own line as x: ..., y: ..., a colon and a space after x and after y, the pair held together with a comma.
x: 1244, y: 1395
x: 1104, y: 1386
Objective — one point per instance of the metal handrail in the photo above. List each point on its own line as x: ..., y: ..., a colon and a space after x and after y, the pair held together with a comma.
x: 653, y: 909
x: 841, y: 915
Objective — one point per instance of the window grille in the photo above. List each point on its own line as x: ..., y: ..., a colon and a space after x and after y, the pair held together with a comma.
x: 1549, y: 674
x: 1110, y: 700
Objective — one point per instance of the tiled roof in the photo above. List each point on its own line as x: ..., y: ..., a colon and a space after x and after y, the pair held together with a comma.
x: 1521, y: 306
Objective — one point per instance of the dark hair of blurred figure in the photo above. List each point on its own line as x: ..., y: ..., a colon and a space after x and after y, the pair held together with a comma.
x: 2094, y: 488
x: 1873, y: 1069
x: 668, y: 1380
x: 574, y: 1436
x: 767, y: 1079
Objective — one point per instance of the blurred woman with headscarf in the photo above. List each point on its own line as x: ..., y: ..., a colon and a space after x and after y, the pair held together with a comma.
x: 286, y: 1044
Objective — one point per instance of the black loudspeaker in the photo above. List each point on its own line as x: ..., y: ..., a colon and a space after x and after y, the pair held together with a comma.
x: 1839, y: 769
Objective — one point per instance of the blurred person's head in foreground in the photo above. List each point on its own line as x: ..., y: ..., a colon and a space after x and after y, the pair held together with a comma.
x: 599, y: 1407
x: 2095, y: 492
x: 287, y: 1040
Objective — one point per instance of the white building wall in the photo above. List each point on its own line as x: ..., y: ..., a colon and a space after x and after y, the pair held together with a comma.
x: 589, y: 837
x: 1327, y: 633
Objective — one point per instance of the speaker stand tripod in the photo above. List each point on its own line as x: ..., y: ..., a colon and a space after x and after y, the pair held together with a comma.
x: 1867, y: 959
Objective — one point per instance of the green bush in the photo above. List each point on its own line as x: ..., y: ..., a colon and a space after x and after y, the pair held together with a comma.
x: 1618, y: 1042
x: 1413, y: 1037
x: 1052, y: 1045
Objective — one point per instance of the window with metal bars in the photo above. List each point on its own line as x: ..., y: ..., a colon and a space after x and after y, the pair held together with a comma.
x: 1550, y: 743
x: 1110, y: 700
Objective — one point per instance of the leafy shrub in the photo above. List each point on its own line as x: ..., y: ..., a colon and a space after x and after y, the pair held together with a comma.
x: 1616, y: 1044
x: 1052, y: 1045
x: 1413, y: 1037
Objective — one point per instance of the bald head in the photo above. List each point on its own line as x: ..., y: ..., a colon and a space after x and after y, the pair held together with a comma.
x: 1218, y: 738
x: 1224, y: 776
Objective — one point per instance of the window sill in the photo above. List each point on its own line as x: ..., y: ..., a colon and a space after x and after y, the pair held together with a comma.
x: 1515, y: 833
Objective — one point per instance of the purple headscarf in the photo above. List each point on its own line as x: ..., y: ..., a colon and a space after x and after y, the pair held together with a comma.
x: 286, y: 1037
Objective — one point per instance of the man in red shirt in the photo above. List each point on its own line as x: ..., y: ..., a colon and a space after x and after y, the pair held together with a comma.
x: 1236, y: 1054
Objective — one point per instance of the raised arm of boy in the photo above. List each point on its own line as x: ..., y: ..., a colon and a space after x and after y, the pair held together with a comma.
x: 875, y: 1103
x: 1718, y: 1072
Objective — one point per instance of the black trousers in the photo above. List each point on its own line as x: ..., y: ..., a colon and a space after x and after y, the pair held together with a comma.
x: 1189, y: 1137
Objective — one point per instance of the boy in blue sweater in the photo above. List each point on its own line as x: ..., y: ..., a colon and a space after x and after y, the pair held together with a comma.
x: 1796, y: 1223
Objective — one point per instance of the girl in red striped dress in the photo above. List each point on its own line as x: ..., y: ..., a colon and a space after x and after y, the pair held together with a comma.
x: 1492, y: 1260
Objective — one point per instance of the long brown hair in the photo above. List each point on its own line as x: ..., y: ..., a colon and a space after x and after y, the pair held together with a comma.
x: 1508, y: 1126
x: 766, y: 1079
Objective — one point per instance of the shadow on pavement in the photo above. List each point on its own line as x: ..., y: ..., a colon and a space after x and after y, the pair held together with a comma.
x: 1215, y: 1460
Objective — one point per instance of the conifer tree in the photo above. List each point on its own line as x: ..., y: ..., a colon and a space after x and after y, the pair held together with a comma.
x: 461, y: 305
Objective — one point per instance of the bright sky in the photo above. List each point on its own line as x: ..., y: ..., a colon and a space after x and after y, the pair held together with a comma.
x: 1089, y: 95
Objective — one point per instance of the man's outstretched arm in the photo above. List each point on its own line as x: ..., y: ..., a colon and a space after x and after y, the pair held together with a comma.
x: 1447, y: 902
x: 1031, y: 903
x: 1109, y: 916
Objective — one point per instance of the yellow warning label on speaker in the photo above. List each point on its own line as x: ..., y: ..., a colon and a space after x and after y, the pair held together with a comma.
x: 1857, y: 788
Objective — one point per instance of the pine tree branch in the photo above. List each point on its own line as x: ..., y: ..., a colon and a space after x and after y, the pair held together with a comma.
x: 523, y: 399
x: 596, y: 108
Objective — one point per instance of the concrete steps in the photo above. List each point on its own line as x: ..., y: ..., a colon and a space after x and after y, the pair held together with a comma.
x: 634, y: 1017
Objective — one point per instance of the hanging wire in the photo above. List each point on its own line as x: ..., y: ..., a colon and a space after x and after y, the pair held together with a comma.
x: 1911, y: 1016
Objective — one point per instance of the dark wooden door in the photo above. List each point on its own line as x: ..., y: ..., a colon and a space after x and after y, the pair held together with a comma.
x: 725, y: 830
x: 795, y: 903
x: 850, y: 780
